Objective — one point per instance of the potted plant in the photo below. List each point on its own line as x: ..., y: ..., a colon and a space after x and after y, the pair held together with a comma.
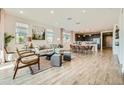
x: 7, y: 39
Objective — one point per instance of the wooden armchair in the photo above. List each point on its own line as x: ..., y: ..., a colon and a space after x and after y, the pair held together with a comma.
x: 8, y: 54
x: 26, y: 59
x: 24, y: 52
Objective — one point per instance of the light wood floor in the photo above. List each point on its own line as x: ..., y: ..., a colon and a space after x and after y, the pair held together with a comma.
x: 99, y: 68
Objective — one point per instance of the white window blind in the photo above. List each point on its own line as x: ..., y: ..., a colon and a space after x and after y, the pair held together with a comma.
x: 66, y: 37
x: 21, y: 32
x: 50, y: 36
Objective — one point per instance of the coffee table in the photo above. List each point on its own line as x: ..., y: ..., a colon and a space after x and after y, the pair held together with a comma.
x: 48, y: 55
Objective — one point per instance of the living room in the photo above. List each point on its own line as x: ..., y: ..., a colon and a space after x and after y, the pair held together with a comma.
x: 64, y: 46
x: 65, y: 40
x: 12, y: 21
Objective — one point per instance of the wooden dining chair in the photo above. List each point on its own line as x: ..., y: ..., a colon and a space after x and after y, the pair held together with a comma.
x: 82, y: 49
x: 90, y: 49
x: 86, y: 49
x: 73, y: 49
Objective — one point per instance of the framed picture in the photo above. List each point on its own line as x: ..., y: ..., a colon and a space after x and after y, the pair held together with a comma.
x: 38, y: 33
x: 117, y: 36
x: 117, y: 33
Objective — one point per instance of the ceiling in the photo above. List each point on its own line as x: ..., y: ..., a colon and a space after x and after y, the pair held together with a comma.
x: 76, y: 19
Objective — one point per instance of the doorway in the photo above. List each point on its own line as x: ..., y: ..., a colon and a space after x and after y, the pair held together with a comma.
x: 107, y: 40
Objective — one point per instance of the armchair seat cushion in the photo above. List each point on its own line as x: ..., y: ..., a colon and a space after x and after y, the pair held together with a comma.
x: 26, y: 54
x: 24, y: 51
x: 29, y: 59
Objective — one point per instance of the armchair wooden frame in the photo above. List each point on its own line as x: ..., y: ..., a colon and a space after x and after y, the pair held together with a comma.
x: 6, y: 51
x: 19, y: 60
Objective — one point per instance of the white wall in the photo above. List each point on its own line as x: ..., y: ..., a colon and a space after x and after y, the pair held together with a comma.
x: 121, y: 39
x: 10, y: 25
x: 1, y: 36
x: 119, y: 50
x: 115, y: 48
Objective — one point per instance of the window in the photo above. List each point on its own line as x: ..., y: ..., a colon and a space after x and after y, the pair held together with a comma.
x: 66, y: 37
x: 50, y: 36
x: 21, y: 32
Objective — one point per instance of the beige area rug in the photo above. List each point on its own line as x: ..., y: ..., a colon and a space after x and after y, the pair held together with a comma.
x: 44, y: 65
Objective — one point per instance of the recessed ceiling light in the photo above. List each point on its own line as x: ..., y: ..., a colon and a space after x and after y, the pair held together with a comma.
x: 69, y: 18
x: 78, y: 23
x: 56, y: 23
x: 83, y: 11
x: 52, y: 12
x: 21, y: 12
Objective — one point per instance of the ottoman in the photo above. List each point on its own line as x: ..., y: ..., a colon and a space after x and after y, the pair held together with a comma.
x: 56, y: 60
x: 67, y: 56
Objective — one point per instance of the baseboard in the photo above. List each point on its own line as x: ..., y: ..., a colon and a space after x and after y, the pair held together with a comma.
x: 116, y: 59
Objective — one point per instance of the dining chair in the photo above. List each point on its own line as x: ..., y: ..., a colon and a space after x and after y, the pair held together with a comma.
x: 71, y: 47
x: 86, y: 49
x: 81, y: 49
x: 90, y: 49
x: 75, y: 48
x: 78, y: 48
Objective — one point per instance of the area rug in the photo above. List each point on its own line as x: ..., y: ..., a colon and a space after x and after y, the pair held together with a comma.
x: 44, y: 65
